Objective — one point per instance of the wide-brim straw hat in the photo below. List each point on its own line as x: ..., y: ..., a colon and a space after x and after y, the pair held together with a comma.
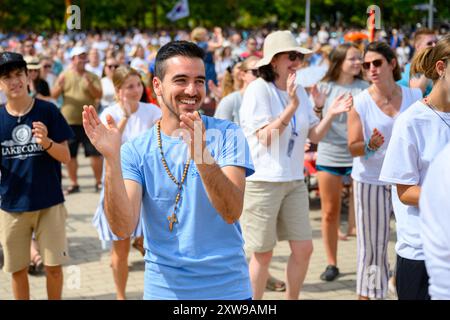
x: 33, y: 63
x: 277, y: 42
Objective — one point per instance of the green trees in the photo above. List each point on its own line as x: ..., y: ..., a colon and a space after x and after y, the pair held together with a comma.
x: 122, y: 14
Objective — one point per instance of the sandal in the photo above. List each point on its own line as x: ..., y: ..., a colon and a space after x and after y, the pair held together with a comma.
x: 36, y: 266
x: 98, y: 187
x: 137, y: 244
x: 72, y: 189
x: 273, y: 284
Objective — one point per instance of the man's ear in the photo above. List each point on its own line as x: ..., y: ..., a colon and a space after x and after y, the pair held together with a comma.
x: 157, y: 86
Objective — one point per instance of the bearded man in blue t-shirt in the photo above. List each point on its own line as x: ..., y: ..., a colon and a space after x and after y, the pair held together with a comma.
x: 33, y: 143
x: 188, y: 174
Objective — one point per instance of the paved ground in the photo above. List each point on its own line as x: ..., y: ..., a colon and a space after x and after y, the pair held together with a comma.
x: 88, y: 276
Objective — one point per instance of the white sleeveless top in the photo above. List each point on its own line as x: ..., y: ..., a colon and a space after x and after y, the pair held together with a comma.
x: 368, y: 170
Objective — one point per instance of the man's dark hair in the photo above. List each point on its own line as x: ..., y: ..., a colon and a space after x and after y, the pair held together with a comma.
x: 172, y: 49
x: 11, y: 67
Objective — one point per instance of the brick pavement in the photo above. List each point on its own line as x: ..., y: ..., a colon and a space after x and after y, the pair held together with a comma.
x: 88, y: 275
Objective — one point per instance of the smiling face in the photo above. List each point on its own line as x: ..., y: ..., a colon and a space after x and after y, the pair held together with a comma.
x: 14, y: 84
x: 283, y: 64
x: 182, y: 88
x: 352, y: 62
x: 131, y: 89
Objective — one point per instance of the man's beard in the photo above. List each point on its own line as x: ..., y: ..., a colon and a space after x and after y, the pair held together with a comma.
x: 176, y: 114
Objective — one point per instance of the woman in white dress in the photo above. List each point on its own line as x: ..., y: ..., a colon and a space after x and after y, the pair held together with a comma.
x: 133, y: 118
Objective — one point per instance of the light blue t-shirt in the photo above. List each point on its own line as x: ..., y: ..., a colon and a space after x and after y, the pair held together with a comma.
x: 404, y: 81
x: 203, y: 256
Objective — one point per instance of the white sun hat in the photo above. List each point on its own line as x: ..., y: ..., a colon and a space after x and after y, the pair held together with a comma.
x: 277, y: 42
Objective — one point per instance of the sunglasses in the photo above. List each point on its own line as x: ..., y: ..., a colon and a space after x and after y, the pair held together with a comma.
x: 47, y: 66
x: 111, y: 66
x: 431, y: 43
x: 294, y: 55
x: 254, y: 72
x: 376, y: 63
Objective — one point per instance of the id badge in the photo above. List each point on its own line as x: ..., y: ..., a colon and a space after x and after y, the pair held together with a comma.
x: 290, y: 146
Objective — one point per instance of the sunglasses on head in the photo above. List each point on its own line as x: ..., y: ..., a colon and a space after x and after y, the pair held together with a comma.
x: 376, y: 63
x: 293, y: 55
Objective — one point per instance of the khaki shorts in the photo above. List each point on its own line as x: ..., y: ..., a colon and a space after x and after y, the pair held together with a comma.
x: 49, y: 226
x: 275, y: 210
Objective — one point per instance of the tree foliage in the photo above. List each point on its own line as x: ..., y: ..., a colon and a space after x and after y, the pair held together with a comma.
x: 19, y: 15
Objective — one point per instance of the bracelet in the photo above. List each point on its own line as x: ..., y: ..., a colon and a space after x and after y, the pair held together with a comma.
x: 318, y: 110
x: 368, y: 150
x: 51, y: 145
x: 284, y: 124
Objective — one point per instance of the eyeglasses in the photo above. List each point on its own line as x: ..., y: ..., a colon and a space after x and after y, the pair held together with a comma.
x: 293, y: 55
x: 112, y: 66
x: 376, y: 63
x: 254, y: 72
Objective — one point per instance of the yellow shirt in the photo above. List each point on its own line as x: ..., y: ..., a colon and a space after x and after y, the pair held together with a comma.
x: 76, y: 95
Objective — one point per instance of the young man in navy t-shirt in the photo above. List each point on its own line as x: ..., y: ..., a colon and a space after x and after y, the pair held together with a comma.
x: 33, y: 143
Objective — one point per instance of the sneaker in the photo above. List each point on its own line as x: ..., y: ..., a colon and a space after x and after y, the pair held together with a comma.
x: 72, y: 189
x: 330, y: 273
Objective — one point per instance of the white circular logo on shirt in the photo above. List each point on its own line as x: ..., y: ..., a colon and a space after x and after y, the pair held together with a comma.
x: 22, y: 134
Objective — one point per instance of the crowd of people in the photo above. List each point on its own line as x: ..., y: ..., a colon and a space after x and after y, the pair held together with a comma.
x: 197, y: 144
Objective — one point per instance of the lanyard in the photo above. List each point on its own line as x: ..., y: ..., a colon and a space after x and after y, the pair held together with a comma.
x: 293, y: 119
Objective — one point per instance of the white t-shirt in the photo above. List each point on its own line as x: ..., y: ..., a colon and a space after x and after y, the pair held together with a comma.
x: 144, y: 118
x: 263, y: 103
x: 108, y: 92
x: 368, y: 170
x: 139, y: 64
x: 435, y: 225
x: 98, y: 70
x: 418, y: 136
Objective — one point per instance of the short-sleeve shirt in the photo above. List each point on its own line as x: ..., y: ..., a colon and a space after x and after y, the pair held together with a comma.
x: 203, y: 256
x: 367, y: 169
x: 435, y: 225
x: 333, y: 148
x: 229, y: 106
x: 418, y: 136
x: 76, y: 95
x: 263, y: 102
x: 31, y: 178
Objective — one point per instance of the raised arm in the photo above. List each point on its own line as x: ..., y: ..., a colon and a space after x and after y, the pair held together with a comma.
x: 122, y: 198
x: 339, y: 105
x: 356, y: 144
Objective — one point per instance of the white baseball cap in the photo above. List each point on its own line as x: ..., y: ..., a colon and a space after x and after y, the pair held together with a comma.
x: 76, y: 51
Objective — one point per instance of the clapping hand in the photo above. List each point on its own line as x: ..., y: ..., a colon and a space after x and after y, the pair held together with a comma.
x: 106, y: 139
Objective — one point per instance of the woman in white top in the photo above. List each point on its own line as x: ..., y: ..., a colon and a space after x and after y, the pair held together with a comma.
x: 334, y: 161
x: 369, y: 130
x: 418, y: 136
x: 277, y: 117
x: 229, y: 105
x: 107, y: 83
x: 133, y: 118
x: 435, y: 225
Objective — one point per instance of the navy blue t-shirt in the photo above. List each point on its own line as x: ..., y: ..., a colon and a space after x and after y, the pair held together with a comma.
x: 30, y: 177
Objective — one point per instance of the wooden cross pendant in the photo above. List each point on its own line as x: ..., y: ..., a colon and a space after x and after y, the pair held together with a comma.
x: 172, y: 219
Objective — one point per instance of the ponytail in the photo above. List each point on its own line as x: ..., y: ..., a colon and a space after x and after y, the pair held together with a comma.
x: 425, y: 61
